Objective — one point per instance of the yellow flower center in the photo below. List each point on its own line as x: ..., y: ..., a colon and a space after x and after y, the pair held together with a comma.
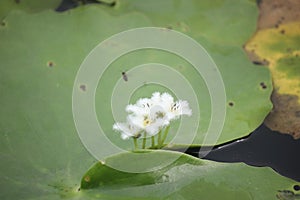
x: 147, y: 121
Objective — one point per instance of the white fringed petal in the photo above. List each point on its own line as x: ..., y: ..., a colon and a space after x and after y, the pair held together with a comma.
x: 151, y: 115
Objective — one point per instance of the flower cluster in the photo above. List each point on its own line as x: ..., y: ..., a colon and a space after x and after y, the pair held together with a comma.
x: 149, y: 116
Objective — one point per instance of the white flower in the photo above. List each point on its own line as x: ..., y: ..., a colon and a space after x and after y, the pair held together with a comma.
x: 179, y: 108
x: 156, y: 98
x: 144, y: 122
x: 167, y: 99
x: 127, y: 130
x: 150, y: 116
x: 142, y: 106
x: 174, y: 109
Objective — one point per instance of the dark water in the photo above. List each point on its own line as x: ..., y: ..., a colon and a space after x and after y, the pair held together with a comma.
x: 69, y: 4
x: 263, y: 147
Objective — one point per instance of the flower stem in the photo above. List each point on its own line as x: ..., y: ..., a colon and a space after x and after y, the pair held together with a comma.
x: 152, y: 142
x: 144, y: 141
x: 165, y: 135
x: 135, y: 143
x: 159, y: 139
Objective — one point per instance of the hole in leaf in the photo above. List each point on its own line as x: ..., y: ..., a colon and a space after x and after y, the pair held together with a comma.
x: 83, y: 87
x: 265, y: 61
x: 231, y: 104
x: 297, y: 187
x: 263, y: 85
x: 50, y: 64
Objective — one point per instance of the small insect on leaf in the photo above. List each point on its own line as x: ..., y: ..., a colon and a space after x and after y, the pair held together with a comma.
x: 124, y: 75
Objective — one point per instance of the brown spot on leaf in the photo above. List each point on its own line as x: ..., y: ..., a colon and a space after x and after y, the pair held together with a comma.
x: 257, y: 62
x: 282, y: 31
x: 297, y: 113
x: 169, y: 27
x: 3, y: 23
x: 265, y: 61
x: 180, y: 67
x: 87, y: 179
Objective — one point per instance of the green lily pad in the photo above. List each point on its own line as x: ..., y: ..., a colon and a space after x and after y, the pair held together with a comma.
x: 41, y: 154
x: 185, y: 178
x: 243, y: 114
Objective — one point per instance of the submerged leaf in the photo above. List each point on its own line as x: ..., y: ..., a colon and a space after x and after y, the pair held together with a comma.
x: 280, y: 46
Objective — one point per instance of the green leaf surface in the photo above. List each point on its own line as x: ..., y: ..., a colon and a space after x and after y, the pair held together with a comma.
x: 31, y: 6
x: 241, y: 77
x: 186, y: 178
x: 40, y: 52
